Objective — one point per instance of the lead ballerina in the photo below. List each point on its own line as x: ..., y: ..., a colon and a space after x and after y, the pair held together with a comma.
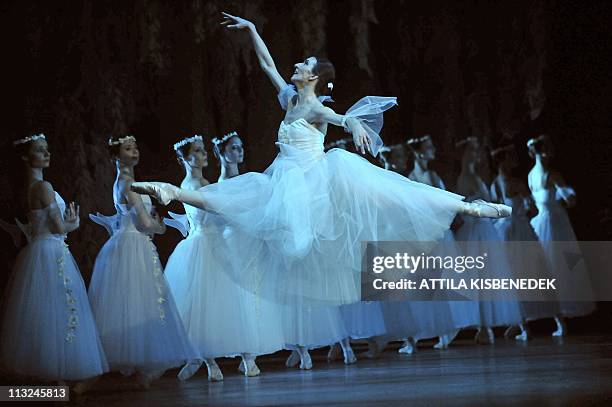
x: 298, y: 226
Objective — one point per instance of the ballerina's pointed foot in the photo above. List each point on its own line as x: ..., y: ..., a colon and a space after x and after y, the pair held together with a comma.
x: 249, y: 368
x: 561, y: 327
x: 162, y: 191
x: 374, y: 349
x: 189, y: 370
x: 512, y: 330
x: 305, y: 361
x: 294, y: 359
x: 523, y: 336
x: 445, y: 340
x: 349, y: 356
x: 407, y: 347
x: 214, y: 372
x: 483, y: 209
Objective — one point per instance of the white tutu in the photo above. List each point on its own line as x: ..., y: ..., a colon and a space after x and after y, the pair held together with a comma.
x: 516, y: 228
x: 300, y: 224
x: 221, y: 318
x: 139, y: 325
x: 553, y: 225
x: 48, y: 330
x: 363, y: 319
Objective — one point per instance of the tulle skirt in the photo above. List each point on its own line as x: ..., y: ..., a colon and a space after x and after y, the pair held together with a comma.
x: 518, y: 229
x: 139, y: 325
x: 554, y: 226
x: 300, y: 224
x: 48, y: 330
x: 475, y: 232
x: 363, y: 319
x: 220, y: 316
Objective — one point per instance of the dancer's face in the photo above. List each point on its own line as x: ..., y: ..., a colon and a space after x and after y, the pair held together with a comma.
x: 398, y: 159
x: 38, y: 154
x: 472, y: 152
x: 129, y: 154
x: 197, y: 157
x: 303, y: 71
x: 427, y: 151
x: 234, y: 152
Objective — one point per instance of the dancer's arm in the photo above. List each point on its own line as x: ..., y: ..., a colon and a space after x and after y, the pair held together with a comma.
x: 261, y: 50
x: 562, y: 189
x: 145, y: 222
x: 44, y: 192
x: 324, y: 114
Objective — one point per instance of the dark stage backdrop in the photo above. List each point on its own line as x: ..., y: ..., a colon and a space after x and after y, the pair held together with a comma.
x: 80, y: 71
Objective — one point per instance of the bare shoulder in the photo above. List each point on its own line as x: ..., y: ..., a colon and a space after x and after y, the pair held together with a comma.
x: 42, y: 193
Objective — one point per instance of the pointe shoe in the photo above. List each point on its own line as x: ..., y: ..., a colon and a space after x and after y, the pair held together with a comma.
x: 189, y: 370
x: 349, y: 356
x: 407, y: 347
x: 305, y: 361
x: 483, y: 209
x: 485, y: 336
x: 294, y: 359
x: 445, y: 340
x: 162, y: 191
x: 249, y: 368
x: 523, y: 336
x: 561, y: 327
x: 214, y: 372
x: 334, y: 352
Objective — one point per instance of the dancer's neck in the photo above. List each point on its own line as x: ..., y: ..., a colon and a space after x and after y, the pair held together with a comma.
x: 125, y: 171
x: 35, y: 174
x: 306, y: 94
x: 228, y: 170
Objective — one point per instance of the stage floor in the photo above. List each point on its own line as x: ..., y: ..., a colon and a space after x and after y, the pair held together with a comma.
x: 544, y: 371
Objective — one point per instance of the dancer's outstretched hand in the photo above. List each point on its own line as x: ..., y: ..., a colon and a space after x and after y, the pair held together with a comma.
x: 362, y: 141
x: 235, y: 23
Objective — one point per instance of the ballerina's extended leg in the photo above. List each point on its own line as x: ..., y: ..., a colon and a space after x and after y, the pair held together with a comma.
x: 483, y: 209
x: 349, y: 355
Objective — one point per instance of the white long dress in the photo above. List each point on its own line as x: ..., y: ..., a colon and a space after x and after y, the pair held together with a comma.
x: 553, y: 225
x: 475, y: 232
x: 139, y: 325
x: 48, y: 329
x: 222, y: 319
x: 516, y: 228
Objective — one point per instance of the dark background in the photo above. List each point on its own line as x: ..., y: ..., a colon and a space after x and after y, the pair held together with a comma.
x: 162, y: 70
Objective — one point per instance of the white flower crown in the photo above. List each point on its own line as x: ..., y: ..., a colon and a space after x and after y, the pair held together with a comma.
x: 418, y: 139
x: 121, y: 140
x: 223, y: 139
x: 330, y: 86
x: 30, y: 138
x: 187, y: 140
x: 509, y: 147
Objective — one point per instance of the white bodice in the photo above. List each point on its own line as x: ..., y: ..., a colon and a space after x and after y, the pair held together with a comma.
x: 303, y: 136
x: 127, y: 214
x: 40, y: 219
x: 196, y: 219
x: 546, y: 200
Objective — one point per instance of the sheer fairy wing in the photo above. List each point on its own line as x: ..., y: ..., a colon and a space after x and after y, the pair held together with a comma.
x: 179, y: 222
x: 110, y: 223
x: 564, y: 193
x: 25, y: 228
x: 13, y: 230
x: 369, y: 111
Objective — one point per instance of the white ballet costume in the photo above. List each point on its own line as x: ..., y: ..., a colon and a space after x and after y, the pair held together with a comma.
x: 222, y: 319
x: 476, y: 231
x: 139, y: 324
x: 48, y: 329
x: 517, y: 228
x: 552, y: 224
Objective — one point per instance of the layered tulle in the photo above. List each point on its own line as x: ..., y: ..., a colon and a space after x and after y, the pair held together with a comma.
x: 220, y: 316
x: 553, y: 225
x: 139, y: 325
x: 48, y: 330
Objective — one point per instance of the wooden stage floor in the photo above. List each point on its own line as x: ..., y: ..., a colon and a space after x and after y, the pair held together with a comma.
x: 544, y: 372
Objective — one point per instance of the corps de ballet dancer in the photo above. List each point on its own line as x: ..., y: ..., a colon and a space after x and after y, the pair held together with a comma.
x: 48, y: 329
x: 139, y: 325
x: 299, y: 224
x: 475, y: 233
x: 552, y: 224
x: 511, y: 191
x: 220, y: 317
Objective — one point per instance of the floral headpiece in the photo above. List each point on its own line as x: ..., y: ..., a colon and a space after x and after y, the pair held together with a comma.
x: 466, y: 140
x: 417, y: 140
x: 223, y: 139
x: 509, y: 147
x: 187, y: 140
x: 30, y: 138
x: 534, y: 140
x: 121, y: 140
